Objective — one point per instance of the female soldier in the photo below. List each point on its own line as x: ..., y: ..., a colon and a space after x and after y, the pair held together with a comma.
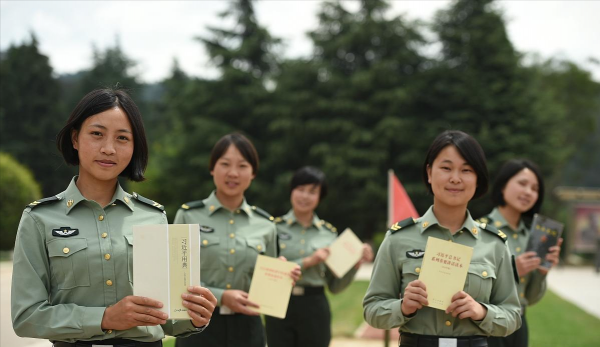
x: 233, y: 235
x: 304, y: 239
x: 454, y: 172
x: 518, y: 193
x: 72, y: 269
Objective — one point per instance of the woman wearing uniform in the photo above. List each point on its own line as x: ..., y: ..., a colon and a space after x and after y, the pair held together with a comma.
x: 72, y: 268
x: 304, y: 239
x: 518, y: 194
x: 454, y: 172
x: 233, y: 234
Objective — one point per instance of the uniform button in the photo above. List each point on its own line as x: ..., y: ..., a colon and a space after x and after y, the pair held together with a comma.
x: 228, y: 286
x: 474, y: 230
x: 109, y: 283
x: 522, y: 295
x: 301, y: 251
x: 518, y: 249
x: 211, y: 208
x: 100, y: 217
x: 282, y: 246
x: 522, y: 279
x: 232, y: 251
x: 107, y: 256
x: 515, y: 236
x: 259, y: 247
x: 484, y: 274
x: 230, y: 269
x: 418, y: 270
x: 425, y: 224
x: 65, y: 250
x: 302, y: 241
x: 231, y: 221
x: 205, y: 242
x: 232, y: 235
x: 104, y: 235
x: 238, y: 211
x: 448, y: 323
x: 109, y: 331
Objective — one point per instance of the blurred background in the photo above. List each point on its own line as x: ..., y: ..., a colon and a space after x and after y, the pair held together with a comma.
x: 353, y: 87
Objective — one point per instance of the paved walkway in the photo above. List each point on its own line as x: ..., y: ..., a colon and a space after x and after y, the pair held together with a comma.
x: 579, y: 285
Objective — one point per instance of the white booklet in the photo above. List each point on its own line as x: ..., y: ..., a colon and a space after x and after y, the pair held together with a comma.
x: 166, y: 260
x: 344, y: 253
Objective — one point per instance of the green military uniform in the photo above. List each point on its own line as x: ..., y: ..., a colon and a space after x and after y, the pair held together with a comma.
x: 531, y: 287
x: 308, y: 318
x: 230, y: 244
x: 490, y: 280
x: 72, y: 259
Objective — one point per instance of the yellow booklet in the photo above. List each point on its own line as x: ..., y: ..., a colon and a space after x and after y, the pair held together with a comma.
x: 166, y: 260
x: 444, y: 270
x: 344, y: 253
x: 271, y: 286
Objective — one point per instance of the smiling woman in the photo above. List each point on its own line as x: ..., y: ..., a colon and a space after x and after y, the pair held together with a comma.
x: 71, y: 282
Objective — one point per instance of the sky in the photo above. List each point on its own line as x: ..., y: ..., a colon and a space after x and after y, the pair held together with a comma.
x: 153, y: 33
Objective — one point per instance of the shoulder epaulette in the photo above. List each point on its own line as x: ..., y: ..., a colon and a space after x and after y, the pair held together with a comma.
x: 44, y: 201
x: 263, y: 213
x: 402, y: 224
x: 278, y: 220
x: 148, y: 201
x: 492, y: 229
x: 193, y: 204
x: 328, y: 226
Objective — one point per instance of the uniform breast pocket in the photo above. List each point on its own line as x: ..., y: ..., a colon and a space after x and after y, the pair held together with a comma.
x: 209, y: 252
x: 410, y: 272
x: 129, y: 243
x: 480, y: 279
x: 69, y: 262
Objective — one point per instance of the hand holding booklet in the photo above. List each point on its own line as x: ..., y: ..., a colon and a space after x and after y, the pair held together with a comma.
x: 444, y: 270
x: 344, y: 253
x: 166, y: 260
x: 271, y: 286
x: 545, y: 233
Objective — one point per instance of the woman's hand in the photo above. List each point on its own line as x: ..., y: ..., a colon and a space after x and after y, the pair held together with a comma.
x: 464, y: 306
x: 237, y: 301
x: 133, y: 311
x: 552, y: 256
x: 200, y: 303
x: 415, y: 297
x: 316, y: 258
x: 296, y: 272
x: 527, y: 262
x: 367, y: 255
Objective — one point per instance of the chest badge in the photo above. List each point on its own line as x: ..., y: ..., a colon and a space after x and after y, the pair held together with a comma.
x: 415, y: 254
x: 65, y: 232
x: 285, y: 236
x: 206, y: 229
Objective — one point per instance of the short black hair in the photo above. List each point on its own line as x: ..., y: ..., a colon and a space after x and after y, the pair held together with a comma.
x: 98, y: 101
x: 240, y: 142
x: 506, y: 172
x: 468, y: 148
x: 310, y: 175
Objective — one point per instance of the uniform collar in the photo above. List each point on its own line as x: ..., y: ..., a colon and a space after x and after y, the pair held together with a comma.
x: 429, y: 219
x: 213, y: 204
x: 290, y: 219
x: 500, y: 222
x: 72, y: 196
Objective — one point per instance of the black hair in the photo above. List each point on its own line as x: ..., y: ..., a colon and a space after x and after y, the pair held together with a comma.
x: 506, y: 172
x: 310, y: 175
x: 468, y: 148
x: 98, y: 101
x: 242, y: 144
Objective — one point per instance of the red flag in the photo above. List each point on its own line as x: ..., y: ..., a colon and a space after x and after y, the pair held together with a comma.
x: 399, y: 204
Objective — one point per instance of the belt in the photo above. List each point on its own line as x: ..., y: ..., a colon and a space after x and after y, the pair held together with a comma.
x: 304, y: 291
x: 108, y: 342
x: 415, y: 340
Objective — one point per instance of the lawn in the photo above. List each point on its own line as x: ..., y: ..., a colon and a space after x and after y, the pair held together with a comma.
x: 553, y: 322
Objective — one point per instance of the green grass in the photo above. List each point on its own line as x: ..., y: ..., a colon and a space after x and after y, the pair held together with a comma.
x: 346, y: 309
x: 556, y: 322
x: 169, y: 342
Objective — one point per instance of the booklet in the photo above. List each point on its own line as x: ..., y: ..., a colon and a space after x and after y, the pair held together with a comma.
x: 344, y: 253
x: 166, y: 260
x: 545, y: 233
x: 271, y: 286
x: 444, y: 270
